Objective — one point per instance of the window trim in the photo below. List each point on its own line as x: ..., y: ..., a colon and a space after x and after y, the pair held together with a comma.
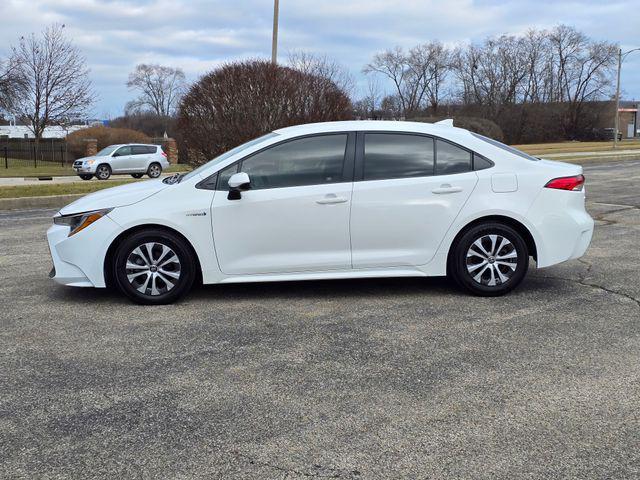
x: 348, y: 161
x: 359, y: 159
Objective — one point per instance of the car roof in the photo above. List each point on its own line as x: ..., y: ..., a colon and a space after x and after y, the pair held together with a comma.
x: 381, y: 125
x: 134, y: 145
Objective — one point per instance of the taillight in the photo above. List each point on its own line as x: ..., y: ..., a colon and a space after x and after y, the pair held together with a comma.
x: 574, y: 183
x: 164, y: 155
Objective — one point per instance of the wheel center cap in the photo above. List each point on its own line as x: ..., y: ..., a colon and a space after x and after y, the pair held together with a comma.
x: 492, y: 259
x: 153, y: 269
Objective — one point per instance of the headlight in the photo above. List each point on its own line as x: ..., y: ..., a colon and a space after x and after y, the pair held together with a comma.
x: 89, y: 162
x: 80, y: 221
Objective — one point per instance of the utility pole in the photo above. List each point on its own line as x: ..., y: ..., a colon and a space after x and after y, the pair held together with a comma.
x: 617, y: 117
x: 621, y: 57
x: 274, y: 40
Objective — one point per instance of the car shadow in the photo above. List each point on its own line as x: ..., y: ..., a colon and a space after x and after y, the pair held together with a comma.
x: 311, y: 289
x: 339, y: 289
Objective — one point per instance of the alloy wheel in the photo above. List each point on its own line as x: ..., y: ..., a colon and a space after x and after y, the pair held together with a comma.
x: 154, y: 171
x: 103, y: 172
x: 153, y: 268
x: 491, y: 260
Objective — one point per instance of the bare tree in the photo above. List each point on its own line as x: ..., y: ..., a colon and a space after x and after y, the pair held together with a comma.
x: 393, y: 64
x: 10, y: 84
x: 321, y: 66
x: 368, y: 106
x: 430, y: 64
x: 160, y: 89
x: 418, y: 76
x: 54, y: 80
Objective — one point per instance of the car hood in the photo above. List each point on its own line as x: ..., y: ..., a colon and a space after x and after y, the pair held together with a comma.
x: 84, y: 159
x: 115, y: 197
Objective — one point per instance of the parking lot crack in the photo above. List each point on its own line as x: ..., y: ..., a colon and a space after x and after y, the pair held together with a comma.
x: 584, y: 283
x: 323, y: 472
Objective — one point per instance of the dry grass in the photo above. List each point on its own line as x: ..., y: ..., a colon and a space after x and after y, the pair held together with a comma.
x: 58, y: 188
x: 577, y: 147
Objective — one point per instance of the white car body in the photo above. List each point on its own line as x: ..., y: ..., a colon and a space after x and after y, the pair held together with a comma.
x: 352, y: 229
x: 123, y: 159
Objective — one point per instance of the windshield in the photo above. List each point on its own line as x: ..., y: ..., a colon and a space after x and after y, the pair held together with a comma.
x: 106, y: 151
x: 502, y: 146
x: 230, y: 153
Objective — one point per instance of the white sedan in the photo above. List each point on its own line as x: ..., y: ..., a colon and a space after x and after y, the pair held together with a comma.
x: 333, y: 200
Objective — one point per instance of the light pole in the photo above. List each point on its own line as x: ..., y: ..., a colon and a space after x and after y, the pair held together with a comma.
x: 621, y: 57
x: 274, y: 40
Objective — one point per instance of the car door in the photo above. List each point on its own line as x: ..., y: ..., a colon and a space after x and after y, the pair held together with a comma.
x: 295, y: 216
x: 408, y: 190
x: 120, y: 160
x: 139, y: 157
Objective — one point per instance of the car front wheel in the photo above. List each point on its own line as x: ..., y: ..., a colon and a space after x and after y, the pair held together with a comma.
x: 103, y: 172
x: 154, y: 267
x: 86, y: 177
x: 154, y: 170
x: 489, y: 259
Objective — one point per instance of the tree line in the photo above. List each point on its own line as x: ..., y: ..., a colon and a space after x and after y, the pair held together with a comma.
x: 501, y: 79
x: 542, y: 85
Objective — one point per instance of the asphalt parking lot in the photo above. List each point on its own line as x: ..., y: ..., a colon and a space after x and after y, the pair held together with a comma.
x: 403, y: 378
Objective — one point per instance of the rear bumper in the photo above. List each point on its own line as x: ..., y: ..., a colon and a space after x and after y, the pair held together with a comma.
x: 563, y: 227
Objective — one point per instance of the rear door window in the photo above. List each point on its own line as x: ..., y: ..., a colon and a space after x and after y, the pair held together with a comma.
x: 139, y: 150
x: 391, y: 155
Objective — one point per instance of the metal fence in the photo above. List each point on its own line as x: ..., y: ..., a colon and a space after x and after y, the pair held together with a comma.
x: 15, y: 153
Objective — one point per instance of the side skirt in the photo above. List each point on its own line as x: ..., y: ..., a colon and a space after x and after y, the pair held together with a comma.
x: 328, y: 275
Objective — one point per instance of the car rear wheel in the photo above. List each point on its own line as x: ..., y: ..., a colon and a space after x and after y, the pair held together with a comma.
x: 154, y: 170
x: 103, y: 172
x: 489, y: 259
x: 154, y: 267
x: 136, y: 175
x: 86, y: 177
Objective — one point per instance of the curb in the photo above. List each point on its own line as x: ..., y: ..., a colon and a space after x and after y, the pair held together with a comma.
x: 53, y: 201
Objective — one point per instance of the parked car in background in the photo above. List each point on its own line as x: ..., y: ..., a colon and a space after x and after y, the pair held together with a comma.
x: 334, y: 200
x: 606, y: 134
x: 131, y: 159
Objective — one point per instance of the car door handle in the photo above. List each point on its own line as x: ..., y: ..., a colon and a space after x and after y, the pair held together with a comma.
x: 331, y: 199
x: 446, y: 188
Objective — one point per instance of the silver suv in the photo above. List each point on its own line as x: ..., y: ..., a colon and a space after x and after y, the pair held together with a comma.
x: 134, y: 159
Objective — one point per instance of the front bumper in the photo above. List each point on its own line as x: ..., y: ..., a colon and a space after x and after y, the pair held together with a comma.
x: 81, y: 170
x: 78, y: 261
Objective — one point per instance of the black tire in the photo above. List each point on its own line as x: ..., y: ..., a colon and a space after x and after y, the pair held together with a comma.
x: 137, y: 175
x: 140, y: 288
x: 154, y: 170
x: 489, y: 267
x: 103, y: 171
x: 86, y: 176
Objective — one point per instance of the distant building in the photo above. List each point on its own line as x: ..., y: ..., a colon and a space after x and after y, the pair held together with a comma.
x: 629, y: 119
x: 22, y: 131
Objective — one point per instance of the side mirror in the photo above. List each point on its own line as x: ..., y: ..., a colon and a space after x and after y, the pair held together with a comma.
x: 238, y: 182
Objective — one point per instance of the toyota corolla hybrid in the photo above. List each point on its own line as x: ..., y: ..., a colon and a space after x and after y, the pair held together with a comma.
x: 330, y: 200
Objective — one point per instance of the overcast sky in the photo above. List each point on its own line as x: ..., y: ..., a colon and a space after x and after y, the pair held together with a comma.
x: 197, y: 35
